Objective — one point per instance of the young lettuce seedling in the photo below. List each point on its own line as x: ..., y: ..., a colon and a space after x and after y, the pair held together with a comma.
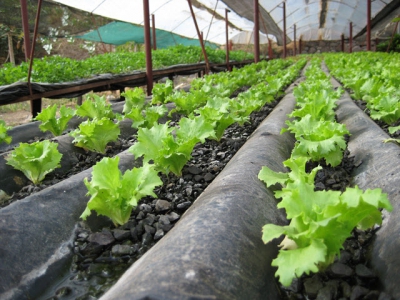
x: 4, y: 137
x: 51, y: 123
x: 114, y: 194
x: 35, y: 160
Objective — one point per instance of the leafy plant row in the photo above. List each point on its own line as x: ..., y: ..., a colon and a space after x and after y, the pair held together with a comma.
x: 372, y: 77
x: 168, y: 148
x: 168, y: 152
x: 320, y: 221
x: 54, y: 69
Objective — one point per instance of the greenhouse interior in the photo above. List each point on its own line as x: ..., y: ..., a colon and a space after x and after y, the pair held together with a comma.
x: 199, y: 149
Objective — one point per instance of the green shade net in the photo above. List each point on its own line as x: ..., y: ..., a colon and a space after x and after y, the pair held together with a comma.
x: 119, y: 33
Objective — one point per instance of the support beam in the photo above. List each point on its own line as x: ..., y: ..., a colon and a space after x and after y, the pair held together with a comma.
x: 203, y: 49
x: 153, y: 27
x: 351, y: 38
x: 368, y: 25
x: 228, y: 68
x: 284, y: 29
x: 294, y: 36
x: 256, y: 32
x: 36, y: 105
x: 25, y: 26
x: 147, y: 45
x: 300, y: 45
x: 342, y: 42
x: 11, y: 48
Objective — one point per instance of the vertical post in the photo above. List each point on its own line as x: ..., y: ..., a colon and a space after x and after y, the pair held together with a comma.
x: 36, y: 105
x: 351, y: 38
x: 153, y: 26
x: 79, y: 100
x: 342, y: 42
x: 25, y: 25
x: 294, y: 34
x: 284, y: 29
x: 203, y: 49
x: 300, y: 45
x: 270, y: 53
x: 228, y: 68
x: 11, y: 48
x: 368, y: 25
x: 147, y: 45
x: 256, y: 32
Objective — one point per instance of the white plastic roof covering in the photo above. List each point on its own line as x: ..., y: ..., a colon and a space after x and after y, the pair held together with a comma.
x: 314, y: 19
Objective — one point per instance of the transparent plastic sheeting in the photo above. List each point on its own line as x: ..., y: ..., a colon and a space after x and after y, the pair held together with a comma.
x: 314, y: 19
x: 311, y: 23
x: 170, y: 15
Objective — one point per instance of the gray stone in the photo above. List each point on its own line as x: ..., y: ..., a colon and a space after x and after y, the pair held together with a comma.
x: 326, y: 293
x: 313, y: 285
x: 159, y: 234
x: 164, y: 220
x: 119, y: 250
x: 194, y: 170
x: 173, y: 216
x: 103, y: 238
x: 339, y: 270
x: 120, y: 235
x: 162, y: 205
x: 364, y: 272
x: 184, y: 205
x: 209, y: 177
x: 358, y: 292
x: 149, y: 229
x: 150, y: 218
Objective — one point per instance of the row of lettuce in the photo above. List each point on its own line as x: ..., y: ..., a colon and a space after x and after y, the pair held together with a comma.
x: 207, y: 110
x: 55, y: 69
x: 320, y: 221
x: 373, y: 78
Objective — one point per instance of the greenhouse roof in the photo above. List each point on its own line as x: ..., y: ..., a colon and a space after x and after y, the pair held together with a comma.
x: 314, y: 19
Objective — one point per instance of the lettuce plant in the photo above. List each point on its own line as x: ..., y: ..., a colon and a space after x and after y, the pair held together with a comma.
x: 170, y: 152
x: 94, y: 135
x: 96, y: 109
x: 114, y: 194
x: 320, y: 220
x: 35, y: 160
x: 4, y: 137
x: 161, y: 91
x: 50, y: 122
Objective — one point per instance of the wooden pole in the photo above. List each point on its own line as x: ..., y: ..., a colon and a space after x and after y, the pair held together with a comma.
x: 351, y: 38
x: 294, y: 34
x: 284, y: 29
x: 227, y: 39
x: 11, y: 48
x: 342, y: 45
x: 368, y: 25
x: 203, y: 49
x: 153, y: 27
x: 256, y: 32
x: 147, y: 45
x: 25, y: 26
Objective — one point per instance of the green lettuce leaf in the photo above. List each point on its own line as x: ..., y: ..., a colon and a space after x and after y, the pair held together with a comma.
x: 35, y: 160
x: 4, y: 137
x: 115, y: 195
x: 50, y: 122
x: 94, y: 135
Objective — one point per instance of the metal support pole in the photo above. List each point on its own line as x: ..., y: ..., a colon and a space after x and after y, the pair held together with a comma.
x: 300, y: 45
x: 203, y: 49
x: 25, y: 25
x: 351, y: 38
x: 294, y: 34
x: 147, y: 45
x: 342, y: 45
x: 284, y: 29
x: 256, y: 32
x: 36, y: 105
x: 368, y: 25
x: 228, y: 68
x: 270, y: 53
x: 153, y: 27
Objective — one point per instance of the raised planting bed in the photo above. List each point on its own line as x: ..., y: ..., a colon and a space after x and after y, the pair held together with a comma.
x: 214, y: 251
